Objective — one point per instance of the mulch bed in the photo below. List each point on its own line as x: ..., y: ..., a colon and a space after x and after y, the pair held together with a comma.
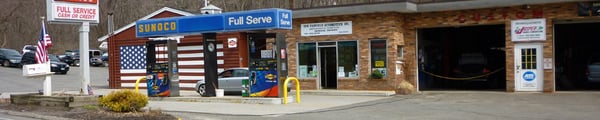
x: 88, y: 113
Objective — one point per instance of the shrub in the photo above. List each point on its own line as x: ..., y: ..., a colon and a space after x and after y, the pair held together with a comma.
x: 124, y: 101
x: 376, y: 74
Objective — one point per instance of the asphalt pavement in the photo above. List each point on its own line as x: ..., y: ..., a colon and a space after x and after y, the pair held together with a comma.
x: 357, y: 105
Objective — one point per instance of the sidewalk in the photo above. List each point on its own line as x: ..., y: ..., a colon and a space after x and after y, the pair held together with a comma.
x: 190, y: 101
x: 234, y: 105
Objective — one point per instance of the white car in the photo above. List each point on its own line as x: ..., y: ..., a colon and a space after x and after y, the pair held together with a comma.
x: 28, y: 48
x: 229, y: 80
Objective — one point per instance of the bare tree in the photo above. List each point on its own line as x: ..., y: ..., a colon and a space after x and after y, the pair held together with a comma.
x: 20, y: 23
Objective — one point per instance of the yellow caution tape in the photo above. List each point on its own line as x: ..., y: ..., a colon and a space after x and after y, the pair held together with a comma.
x: 467, y: 78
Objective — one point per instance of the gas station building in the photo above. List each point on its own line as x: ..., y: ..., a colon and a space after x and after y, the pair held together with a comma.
x: 512, y: 45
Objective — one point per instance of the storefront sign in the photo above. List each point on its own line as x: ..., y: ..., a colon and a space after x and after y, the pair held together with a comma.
x: 327, y: 28
x: 504, y: 15
x: 588, y: 9
x: 528, y: 30
x: 264, y: 19
x: 529, y: 80
x: 379, y: 64
x: 258, y: 19
x: 231, y: 42
x: 80, y: 1
x: 73, y: 11
x: 547, y: 63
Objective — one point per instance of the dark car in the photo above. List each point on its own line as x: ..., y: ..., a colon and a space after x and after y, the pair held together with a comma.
x: 57, y: 66
x: 66, y: 59
x: 28, y: 58
x: 471, y: 65
x: 104, y: 58
x: 94, y: 57
x: 73, y: 56
x: 10, y: 57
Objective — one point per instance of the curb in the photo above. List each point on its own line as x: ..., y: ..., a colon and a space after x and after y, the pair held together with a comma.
x: 350, y: 93
x: 240, y: 100
x: 33, y: 115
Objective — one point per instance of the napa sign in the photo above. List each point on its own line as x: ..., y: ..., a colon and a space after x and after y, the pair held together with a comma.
x: 264, y: 19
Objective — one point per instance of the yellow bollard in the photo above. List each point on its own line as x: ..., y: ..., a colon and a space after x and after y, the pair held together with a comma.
x: 137, y: 82
x: 285, y: 84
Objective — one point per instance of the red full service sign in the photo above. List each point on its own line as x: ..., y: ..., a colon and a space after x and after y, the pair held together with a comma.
x: 75, y: 12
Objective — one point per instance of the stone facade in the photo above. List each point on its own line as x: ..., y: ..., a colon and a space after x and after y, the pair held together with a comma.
x: 401, y: 29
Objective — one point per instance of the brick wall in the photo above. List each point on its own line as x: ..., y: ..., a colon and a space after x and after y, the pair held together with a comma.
x: 364, y: 28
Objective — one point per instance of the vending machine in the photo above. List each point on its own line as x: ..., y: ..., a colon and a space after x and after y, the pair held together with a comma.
x: 161, y: 68
x: 267, y: 64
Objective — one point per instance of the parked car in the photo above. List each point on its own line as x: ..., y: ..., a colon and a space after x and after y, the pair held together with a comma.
x: 10, y: 57
x: 72, y: 55
x: 96, y: 62
x: 28, y: 48
x: 229, y: 80
x: 94, y: 57
x: 66, y: 59
x: 28, y: 58
x: 57, y: 66
x: 593, y: 70
x: 104, y: 58
x: 470, y: 65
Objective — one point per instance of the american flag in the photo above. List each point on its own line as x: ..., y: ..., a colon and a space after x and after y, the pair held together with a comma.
x: 41, y: 53
x: 190, y: 63
x: 133, y: 57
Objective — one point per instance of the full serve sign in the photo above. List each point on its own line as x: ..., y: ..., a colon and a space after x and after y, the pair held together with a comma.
x: 264, y: 19
x: 258, y: 19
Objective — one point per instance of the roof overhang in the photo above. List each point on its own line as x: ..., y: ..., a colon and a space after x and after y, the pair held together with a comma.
x: 410, y: 7
x: 355, y: 9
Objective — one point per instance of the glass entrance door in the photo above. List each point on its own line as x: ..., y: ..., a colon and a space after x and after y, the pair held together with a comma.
x: 328, y: 71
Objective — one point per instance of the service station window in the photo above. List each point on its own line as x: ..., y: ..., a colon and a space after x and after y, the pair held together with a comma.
x: 307, y: 60
x: 379, y: 55
x: 347, y: 59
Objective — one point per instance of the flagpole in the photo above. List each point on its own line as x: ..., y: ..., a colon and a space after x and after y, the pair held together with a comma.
x: 48, y: 76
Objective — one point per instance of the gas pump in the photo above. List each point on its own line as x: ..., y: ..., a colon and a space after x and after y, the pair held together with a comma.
x: 267, y: 64
x: 161, y: 68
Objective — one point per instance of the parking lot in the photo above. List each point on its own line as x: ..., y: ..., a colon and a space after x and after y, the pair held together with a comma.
x: 13, y: 80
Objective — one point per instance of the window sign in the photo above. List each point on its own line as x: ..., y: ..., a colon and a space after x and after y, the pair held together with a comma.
x: 379, y: 55
x: 303, y: 71
x: 341, y: 72
x: 528, y: 30
x: 326, y: 28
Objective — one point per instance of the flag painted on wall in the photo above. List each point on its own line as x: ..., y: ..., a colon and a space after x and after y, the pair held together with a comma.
x: 133, y: 58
